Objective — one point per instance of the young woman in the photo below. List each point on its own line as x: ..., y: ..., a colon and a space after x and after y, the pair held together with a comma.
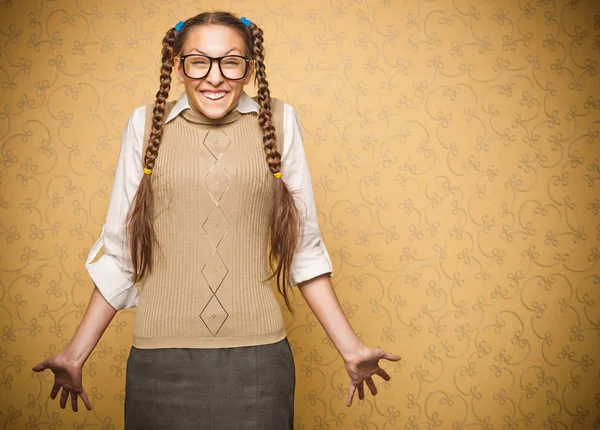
x: 194, y: 216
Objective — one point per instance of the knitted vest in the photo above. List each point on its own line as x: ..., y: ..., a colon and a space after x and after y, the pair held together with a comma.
x: 213, y: 195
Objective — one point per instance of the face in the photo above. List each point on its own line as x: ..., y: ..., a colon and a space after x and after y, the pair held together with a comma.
x: 214, y: 96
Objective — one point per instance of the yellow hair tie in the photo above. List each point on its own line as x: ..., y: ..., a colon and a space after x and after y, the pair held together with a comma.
x: 147, y: 171
x: 277, y: 175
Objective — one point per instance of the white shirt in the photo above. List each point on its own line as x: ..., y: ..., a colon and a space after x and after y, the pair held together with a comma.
x: 112, y: 272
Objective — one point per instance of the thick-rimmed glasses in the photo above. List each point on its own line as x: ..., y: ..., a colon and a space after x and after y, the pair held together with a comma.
x: 197, y: 66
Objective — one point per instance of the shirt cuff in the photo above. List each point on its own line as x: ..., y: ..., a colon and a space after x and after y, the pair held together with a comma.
x: 310, y: 264
x: 110, y: 280
x: 114, y: 285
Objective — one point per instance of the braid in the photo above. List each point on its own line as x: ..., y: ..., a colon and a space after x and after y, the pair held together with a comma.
x: 158, y: 116
x: 264, y: 101
x: 285, y: 220
x: 139, y: 221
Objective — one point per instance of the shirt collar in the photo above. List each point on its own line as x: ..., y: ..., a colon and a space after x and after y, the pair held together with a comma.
x: 245, y: 105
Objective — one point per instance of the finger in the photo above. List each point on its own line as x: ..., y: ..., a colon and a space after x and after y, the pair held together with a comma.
x: 391, y: 357
x: 55, y: 390
x: 371, y: 386
x: 85, y: 400
x: 351, y: 392
x: 63, y: 398
x: 383, y: 374
x: 361, y: 391
x: 40, y: 366
x: 74, y: 401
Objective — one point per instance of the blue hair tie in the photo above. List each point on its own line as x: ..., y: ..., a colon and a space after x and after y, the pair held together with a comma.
x: 179, y: 25
x: 245, y: 21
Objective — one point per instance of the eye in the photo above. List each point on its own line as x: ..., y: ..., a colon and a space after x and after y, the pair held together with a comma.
x: 199, y: 61
x: 232, y: 62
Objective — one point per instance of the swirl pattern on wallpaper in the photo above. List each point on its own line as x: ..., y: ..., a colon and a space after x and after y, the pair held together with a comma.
x: 455, y: 153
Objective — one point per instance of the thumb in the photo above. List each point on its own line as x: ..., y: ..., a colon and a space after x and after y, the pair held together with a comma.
x: 40, y: 366
x: 389, y: 356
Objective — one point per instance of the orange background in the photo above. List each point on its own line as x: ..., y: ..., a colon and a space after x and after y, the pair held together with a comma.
x: 454, y: 148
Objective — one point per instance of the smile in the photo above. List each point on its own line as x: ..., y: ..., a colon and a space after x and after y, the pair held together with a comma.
x: 214, y: 96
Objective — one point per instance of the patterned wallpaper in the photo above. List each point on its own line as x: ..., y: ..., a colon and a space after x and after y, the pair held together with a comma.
x: 455, y: 153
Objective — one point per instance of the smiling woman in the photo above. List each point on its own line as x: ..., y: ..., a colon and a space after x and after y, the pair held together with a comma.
x: 205, y: 84
x: 210, y: 348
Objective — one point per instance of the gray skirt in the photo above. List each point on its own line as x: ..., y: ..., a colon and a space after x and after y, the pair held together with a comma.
x: 215, y: 389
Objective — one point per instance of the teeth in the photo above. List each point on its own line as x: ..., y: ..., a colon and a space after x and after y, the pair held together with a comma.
x: 214, y: 96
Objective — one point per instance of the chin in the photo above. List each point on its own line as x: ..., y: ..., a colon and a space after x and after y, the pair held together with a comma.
x: 214, y: 111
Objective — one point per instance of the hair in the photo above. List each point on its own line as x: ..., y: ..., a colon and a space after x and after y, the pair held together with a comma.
x: 285, y: 221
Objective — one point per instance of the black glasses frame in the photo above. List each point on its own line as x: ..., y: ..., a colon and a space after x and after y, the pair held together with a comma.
x: 212, y: 60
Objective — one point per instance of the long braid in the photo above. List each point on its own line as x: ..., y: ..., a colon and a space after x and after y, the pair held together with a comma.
x: 264, y: 101
x: 140, y: 225
x: 285, y: 223
x: 158, y: 117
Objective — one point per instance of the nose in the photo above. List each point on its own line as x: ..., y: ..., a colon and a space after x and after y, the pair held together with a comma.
x: 214, y: 77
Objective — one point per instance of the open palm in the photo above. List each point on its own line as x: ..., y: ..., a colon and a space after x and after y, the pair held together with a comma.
x: 66, y: 376
x: 361, y: 366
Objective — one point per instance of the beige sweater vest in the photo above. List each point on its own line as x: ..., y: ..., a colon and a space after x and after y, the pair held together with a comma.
x: 213, y: 198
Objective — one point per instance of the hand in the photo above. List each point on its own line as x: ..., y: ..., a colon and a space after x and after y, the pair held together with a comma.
x: 361, y: 366
x: 67, y: 375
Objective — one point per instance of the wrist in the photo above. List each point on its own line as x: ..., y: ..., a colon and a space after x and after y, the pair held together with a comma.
x: 74, y: 356
x: 351, y: 350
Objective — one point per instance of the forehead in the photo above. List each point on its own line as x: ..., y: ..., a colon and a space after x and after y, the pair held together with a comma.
x: 213, y: 40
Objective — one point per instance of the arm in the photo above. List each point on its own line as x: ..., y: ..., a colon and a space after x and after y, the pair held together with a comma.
x: 97, y: 317
x: 111, y: 273
x: 311, y: 269
x: 361, y: 362
x: 319, y: 294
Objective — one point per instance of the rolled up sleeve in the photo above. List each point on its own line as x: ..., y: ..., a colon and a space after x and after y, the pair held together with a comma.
x: 112, y: 273
x: 311, y: 258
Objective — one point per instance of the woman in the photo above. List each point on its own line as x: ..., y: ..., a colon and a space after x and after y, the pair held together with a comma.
x: 192, y: 213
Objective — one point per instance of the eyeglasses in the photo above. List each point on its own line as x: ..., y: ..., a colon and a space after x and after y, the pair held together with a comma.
x: 233, y: 67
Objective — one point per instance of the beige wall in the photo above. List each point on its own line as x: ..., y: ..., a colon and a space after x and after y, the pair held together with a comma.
x: 454, y: 147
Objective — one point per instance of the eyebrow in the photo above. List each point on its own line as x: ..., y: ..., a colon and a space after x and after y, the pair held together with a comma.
x: 204, y: 53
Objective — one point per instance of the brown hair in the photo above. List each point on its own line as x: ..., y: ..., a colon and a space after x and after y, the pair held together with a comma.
x: 285, y: 217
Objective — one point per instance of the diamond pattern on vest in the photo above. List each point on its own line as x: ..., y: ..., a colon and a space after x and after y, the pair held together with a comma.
x: 215, y: 271
x: 214, y: 315
x: 216, y: 226
x: 217, y: 181
x: 217, y: 142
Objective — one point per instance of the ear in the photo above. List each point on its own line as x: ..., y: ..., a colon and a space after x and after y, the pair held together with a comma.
x: 177, y: 67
